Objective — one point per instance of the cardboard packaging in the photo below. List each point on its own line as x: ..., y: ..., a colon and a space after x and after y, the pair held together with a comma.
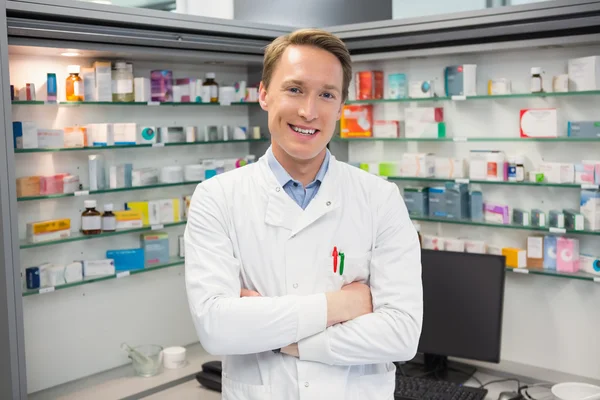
x: 356, y: 121
x: 550, y: 252
x: 397, y: 86
x: 369, y: 85
x: 437, y: 202
x: 25, y: 135
x: 421, y: 89
x: 156, y: 248
x: 590, y: 208
x: 417, y: 201
x: 461, y: 80
x: 584, y: 73
x: 567, y: 255
x: 44, y: 231
x: 418, y: 165
x: 127, y: 259
x: 28, y: 186
x: 515, y: 258
x: 583, y: 129
x: 386, y: 129
x: 535, y: 252
x: 538, y: 123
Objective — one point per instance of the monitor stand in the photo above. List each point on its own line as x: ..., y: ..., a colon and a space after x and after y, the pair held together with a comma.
x: 438, y: 367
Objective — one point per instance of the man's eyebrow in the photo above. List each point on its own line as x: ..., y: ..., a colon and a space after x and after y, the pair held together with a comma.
x: 301, y: 83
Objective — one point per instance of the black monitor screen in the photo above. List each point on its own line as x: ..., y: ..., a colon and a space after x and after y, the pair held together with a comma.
x: 463, y: 297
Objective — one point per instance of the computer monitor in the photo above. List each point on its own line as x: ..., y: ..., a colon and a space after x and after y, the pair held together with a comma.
x: 463, y: 296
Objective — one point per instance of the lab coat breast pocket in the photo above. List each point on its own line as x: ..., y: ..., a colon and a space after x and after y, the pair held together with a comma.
x: 233, y: 390
x: 352, y: 267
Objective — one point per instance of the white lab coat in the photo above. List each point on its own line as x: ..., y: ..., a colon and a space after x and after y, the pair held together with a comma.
x: 244, y: 231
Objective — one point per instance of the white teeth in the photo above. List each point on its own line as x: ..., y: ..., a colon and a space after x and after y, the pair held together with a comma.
x: 304, y: 131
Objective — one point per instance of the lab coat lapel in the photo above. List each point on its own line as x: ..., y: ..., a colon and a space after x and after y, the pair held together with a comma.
x: 281, y: 210
x: 326, y: 200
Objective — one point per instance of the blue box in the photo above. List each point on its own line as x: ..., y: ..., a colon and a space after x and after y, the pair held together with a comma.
x: 550, y: 252
x: 457, y: 200
x: 584, y: 129
x: 397, y: 86
x: 476, y: 206
x: 437, y: 202
x: 127, y: 259
x: 156, y: 248
x: 417, y: 201
x: 32, y: 276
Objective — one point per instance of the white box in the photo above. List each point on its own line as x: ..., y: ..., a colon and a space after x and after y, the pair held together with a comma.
x: 475, y: 246
x: 154, y: 212
x: 125, y: 133
x: 51, y: 138
x: 449, y: 168
x: 538, y: 123
x: 28, y: 138
x: 590, y: 208
x: 558, y: 172
x: 431, y: 242
x: 75, y: 137
x: 386, y: 129
x: 171, y: 134
x: 424, y: 114
x: 478, y: 165
x: 144, y: 177
x: 454, y: 245
x: 499, y: 86
x: 74, y: 272
x: 103, y: 81
x: 560, y: 83
x: 584, y: 73
x: 48, y: 236
x: 420, y: 89
x: 100, y: 135
x: 98, y: 267
x: 495, y: 250
x: 418, y: 165
x: 89, y: 83
x: 141, y: 89
x: 146, y: 135
x: 96, y: 172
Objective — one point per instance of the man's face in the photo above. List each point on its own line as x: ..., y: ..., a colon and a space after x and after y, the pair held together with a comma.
x: 304, y: 101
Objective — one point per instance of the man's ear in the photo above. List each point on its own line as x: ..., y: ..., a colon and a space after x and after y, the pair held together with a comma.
x: 262, y: 96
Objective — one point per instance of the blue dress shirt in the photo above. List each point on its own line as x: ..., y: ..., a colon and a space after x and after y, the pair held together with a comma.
x: 300, y: 194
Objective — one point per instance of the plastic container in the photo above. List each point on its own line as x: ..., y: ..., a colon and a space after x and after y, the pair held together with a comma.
x: 576, y: 391
x: 51, y: 88
x: 174, y: 357
x: 122, y: 83
x: 74, y: 84
x: 150, y: 364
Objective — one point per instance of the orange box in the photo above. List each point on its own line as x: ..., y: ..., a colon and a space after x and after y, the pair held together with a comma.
x: 356, y: 121
x: 28, y: 186
x: 75, y: 136
x: 369, y: 85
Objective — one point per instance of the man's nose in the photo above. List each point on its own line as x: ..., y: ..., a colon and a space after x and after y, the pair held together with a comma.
x: 308, y: 109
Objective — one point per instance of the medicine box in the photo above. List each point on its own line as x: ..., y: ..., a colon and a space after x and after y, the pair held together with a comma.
x: 451, y: 168
x: 584, y: 73
x: 417, y: 201
x: 100, y: 135
x: 98, y: 267
x: 144, y: 177
x: 28, y: 186
x: 171, y: 134
x: 161, y: 85
x: 88, y: 74
x: 538, y: 218
x: 356, y: 121
x: 521, y: 217
x: 129, y: 219
x: 431, y: 242
x: 143, y: 208
x: 515, y: 258
x: 141, y: 89
x: 451, y: 244
x: 43, y: 231
x: 418, y: 165
x: 584, y: 129
x: 369, y: 85
x: 127, y: 259
x: 421, y: 89
x: 125, y: 133
x: 397, y: 86
x: 538, y: 123
x: 103, y: 81
x: 574, y: 221
x: 156, y: 248
x: 385, y: 169
x: 96, y: 172
x: 75, y: 136
x: 589, y: 264
x: 567, y: 255
x: 460, y: 80
x: 25, y: 135
x: 535, y: 252
x: 495, y: 213
x: 475, y: 246
x: 590, y: 208
x: 457, y: 200
x: 476, y: 206
x: 147, y: 135
x: 556, y: 219
x: 120, y: 176
x: 386, y: 129
x: 50, y: 138
x: 437, y: 202
x: 550, y: 252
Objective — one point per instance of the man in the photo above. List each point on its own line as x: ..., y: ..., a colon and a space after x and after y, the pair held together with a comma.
x: 304, y: 272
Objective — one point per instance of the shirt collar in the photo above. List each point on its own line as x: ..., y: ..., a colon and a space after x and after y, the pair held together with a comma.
x: 282, y: 175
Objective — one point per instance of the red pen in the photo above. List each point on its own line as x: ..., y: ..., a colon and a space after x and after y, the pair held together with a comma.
x: 335, y: 259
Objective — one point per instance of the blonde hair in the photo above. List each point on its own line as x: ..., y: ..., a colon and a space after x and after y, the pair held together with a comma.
x: 308, y: 37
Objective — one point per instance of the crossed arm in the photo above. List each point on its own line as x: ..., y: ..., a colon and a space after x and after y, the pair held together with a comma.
x: 355, y: 325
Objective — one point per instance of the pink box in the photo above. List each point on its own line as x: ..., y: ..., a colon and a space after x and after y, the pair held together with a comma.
x: 567, y: 255
x: 496, y: 214
x: 53, y: 184
x: 161, y: 85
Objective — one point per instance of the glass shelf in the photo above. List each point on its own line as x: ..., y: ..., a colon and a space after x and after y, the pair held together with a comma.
x: 129, y: 104
x: 480, y: 97
x: 173, y: 262
x: 506, y: 226
x: 92, y: 192
x: 470, y: 139
x: 77, y: 236
x: 483, y: 182
x: 584, y: 276
x: 134, y: 146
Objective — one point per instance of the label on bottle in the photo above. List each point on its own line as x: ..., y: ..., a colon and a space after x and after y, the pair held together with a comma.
x: 77, y: 88
x: 536, y: 84
x: 91, y: 223
x: 109, y: 223
x: 124, y: 86
x: 214, y: 91
x: 520, y: 173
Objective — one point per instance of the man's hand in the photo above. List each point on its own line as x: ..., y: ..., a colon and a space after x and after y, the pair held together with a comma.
x: 249, y: 293
x: 291, y: 350
x: 352, y: 301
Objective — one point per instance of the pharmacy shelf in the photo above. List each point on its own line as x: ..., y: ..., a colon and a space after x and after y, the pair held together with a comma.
x: 92, y: 192
x: 469, y: 139
x: 505, y: 226
x: 173, y: 262
x: 138, y: 146
x: 77, y: 236
x: 129, y: 104
x: 583, y: 276
x: 482, y: 97
x: 485, y: 182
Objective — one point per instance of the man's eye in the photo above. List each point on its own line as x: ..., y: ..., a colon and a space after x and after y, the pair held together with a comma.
x: 294, y: 90
x: 328, y: 95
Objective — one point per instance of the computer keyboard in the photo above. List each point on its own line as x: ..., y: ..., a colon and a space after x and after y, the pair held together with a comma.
x: 428, y: 389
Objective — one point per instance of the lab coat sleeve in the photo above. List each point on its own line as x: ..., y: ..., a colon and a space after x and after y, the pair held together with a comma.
x: 227, y: 324
x: 392, y: 331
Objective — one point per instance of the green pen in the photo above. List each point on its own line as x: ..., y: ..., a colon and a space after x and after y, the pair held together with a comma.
x: 342, y: 263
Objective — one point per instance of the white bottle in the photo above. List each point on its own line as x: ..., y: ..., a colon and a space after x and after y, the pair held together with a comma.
x: 536, y: 80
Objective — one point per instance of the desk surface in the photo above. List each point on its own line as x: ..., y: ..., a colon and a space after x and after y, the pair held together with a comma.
x: 192, y: 390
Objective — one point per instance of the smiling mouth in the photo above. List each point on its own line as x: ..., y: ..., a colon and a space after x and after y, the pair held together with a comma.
x: 305, y: 132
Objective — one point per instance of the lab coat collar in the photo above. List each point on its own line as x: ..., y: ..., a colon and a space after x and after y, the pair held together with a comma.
x: 284, y: 212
